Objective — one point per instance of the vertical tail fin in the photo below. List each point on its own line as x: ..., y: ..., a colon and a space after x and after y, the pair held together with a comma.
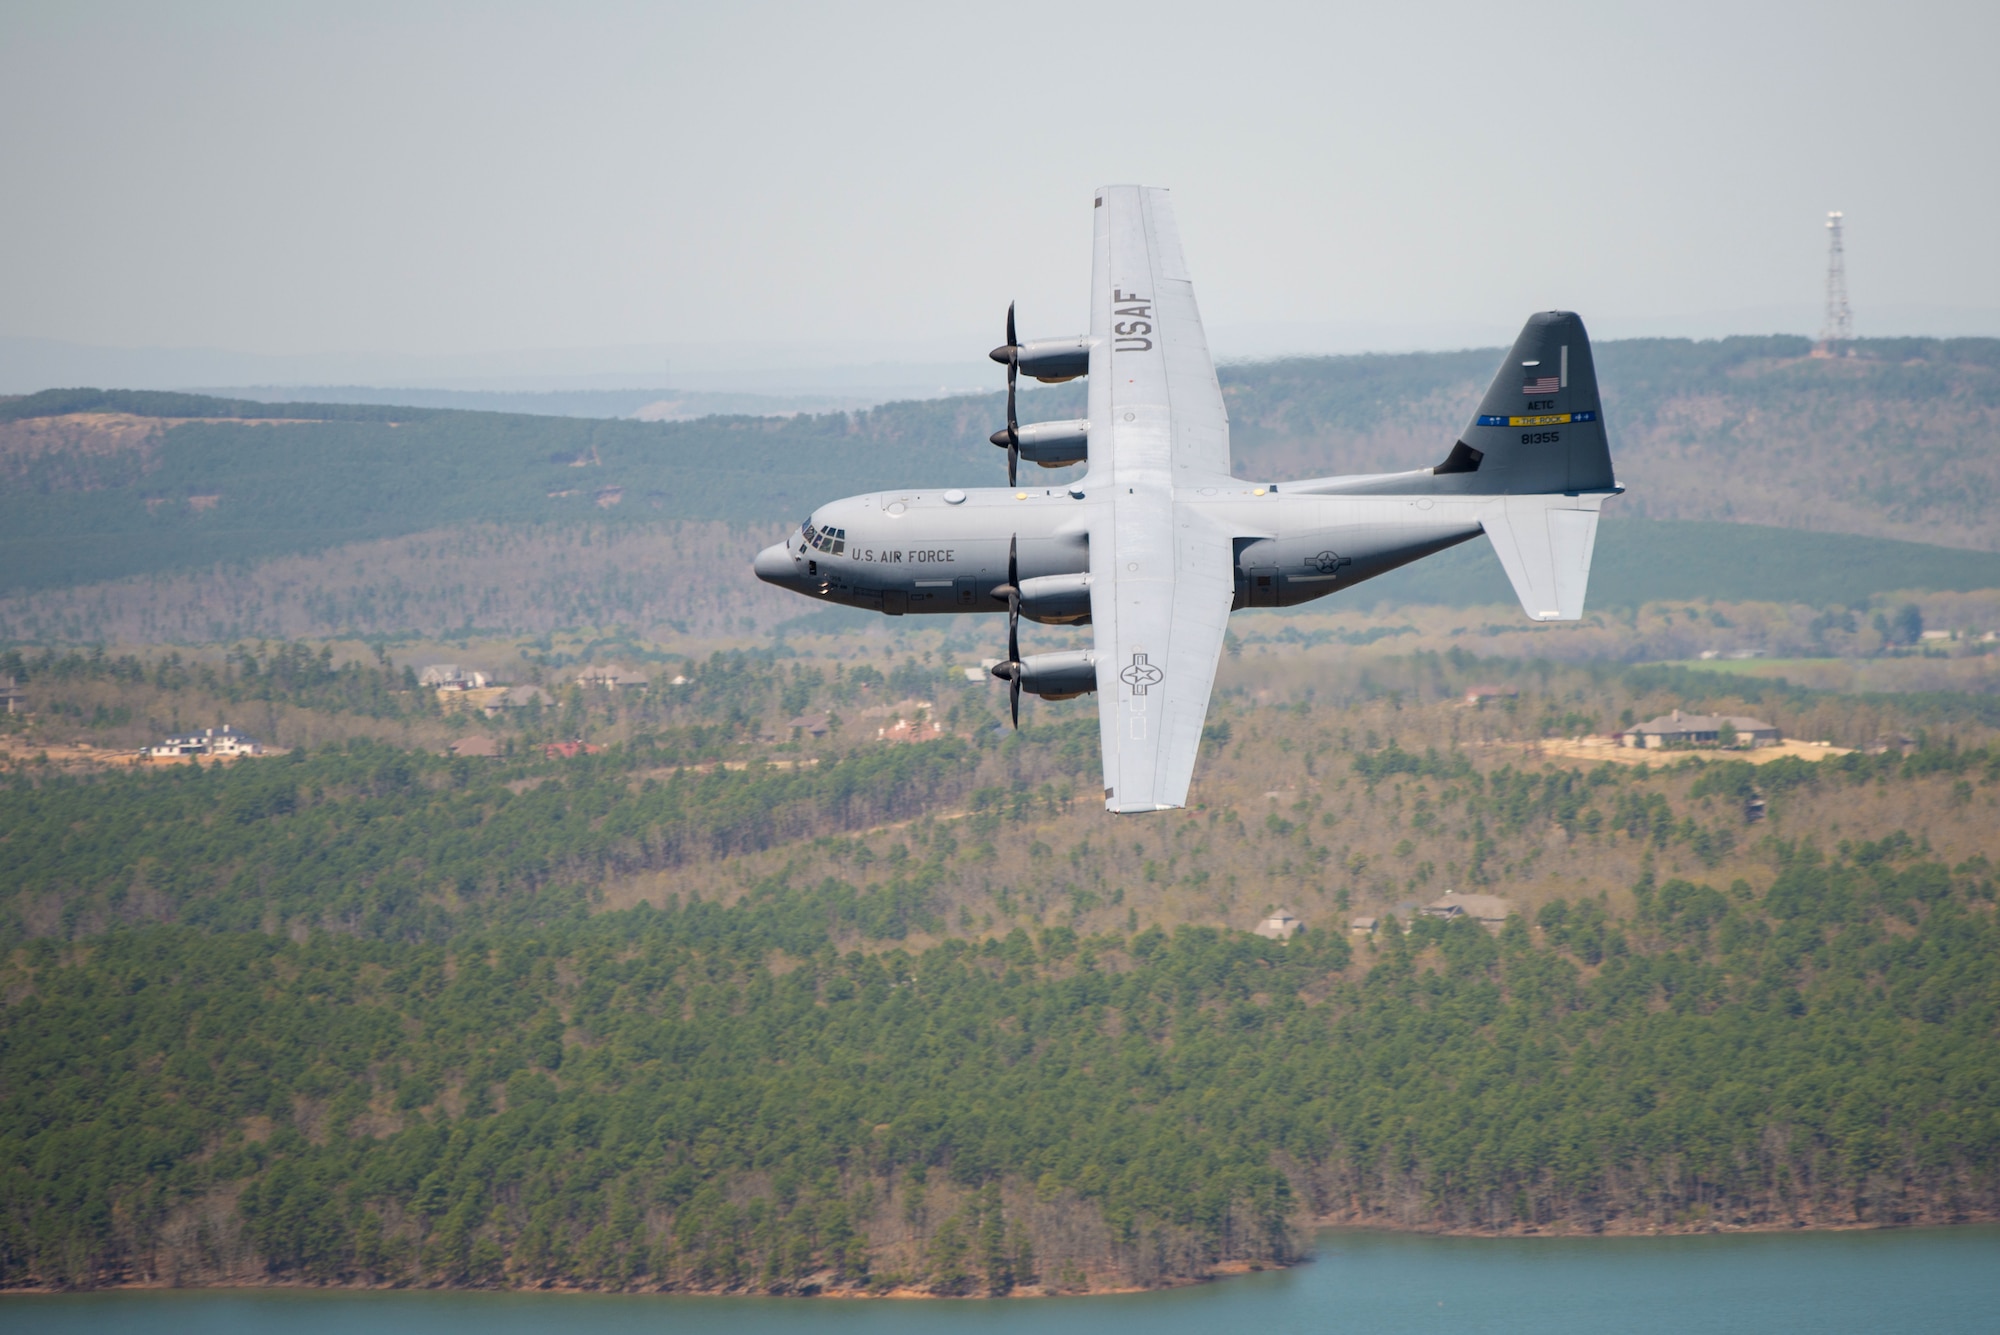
x: 1540, y: 427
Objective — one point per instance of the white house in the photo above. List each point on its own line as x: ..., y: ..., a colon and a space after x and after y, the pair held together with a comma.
x: 225, y: 742
x: 452, y: 677
x: 1279, y: 925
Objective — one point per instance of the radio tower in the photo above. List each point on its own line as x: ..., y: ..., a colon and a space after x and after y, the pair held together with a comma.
x: 1838, y: 331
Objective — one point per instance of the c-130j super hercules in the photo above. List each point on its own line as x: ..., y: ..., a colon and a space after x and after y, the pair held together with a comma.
x: 1158, y: 543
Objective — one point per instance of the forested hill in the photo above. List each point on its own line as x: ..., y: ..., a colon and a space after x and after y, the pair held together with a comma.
x: 717, y: 1004
x: 381, y: 1038
x: 1898, y: 441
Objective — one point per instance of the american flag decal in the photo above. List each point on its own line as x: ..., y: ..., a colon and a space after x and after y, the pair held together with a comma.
x: 1543, y: 384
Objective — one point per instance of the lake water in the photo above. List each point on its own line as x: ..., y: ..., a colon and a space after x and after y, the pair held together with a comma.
x: 1930, y: 1280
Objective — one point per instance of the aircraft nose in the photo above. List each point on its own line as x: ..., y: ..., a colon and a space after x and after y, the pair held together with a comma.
x: 774, y: 565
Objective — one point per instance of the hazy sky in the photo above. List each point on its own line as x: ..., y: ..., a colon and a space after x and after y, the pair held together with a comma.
x: 450, y: 179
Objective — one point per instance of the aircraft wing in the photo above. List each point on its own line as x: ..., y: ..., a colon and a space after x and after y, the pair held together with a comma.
x: 1162, y: 578
x: 1148, y: 347
x: 1159, y: 607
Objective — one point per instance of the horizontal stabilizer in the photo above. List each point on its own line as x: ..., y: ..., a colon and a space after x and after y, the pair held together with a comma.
x: 1544, y: 544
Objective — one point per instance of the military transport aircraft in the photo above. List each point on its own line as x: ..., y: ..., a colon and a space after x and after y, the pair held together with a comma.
x: 1158, y: 542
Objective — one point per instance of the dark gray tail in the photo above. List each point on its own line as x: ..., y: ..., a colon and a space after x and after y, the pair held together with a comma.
x: 1540, y: 428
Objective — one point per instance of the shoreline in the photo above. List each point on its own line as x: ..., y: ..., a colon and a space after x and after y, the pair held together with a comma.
x: 850, y: 1294
x: 1224, y: 1271
x: 1625, y: 1228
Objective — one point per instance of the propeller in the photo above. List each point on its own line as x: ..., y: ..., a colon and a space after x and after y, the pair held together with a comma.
x: 1010, y: 353
x: 1010, y: 671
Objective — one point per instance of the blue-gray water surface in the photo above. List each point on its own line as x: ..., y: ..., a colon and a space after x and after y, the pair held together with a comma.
x: 1932, y: 1280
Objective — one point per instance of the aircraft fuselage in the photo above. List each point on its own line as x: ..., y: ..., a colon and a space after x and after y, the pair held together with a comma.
x: 922, y: 551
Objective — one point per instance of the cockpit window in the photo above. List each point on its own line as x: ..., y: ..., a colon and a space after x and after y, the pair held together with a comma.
x: 832, y: 541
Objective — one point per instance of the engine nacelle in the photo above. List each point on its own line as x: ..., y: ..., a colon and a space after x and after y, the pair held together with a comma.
x: 1061, y: 676
x: 1056, y: 600
x: 1050, y: 444
x: 1054, y: 360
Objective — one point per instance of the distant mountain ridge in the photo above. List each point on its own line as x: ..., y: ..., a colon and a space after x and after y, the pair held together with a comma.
x: 1896, y: 442
x: 1901, y: 440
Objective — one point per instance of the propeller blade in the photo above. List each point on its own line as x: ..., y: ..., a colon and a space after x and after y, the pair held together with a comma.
x: 1013, y: 601
x: 1009, y: 354
x: 1006, y: 351
x: 1013, y: 416
x: 1014, y: 624
x: 1013, y: 423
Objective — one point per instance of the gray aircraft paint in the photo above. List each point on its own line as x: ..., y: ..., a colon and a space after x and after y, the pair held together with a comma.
x: 1157, y: 543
